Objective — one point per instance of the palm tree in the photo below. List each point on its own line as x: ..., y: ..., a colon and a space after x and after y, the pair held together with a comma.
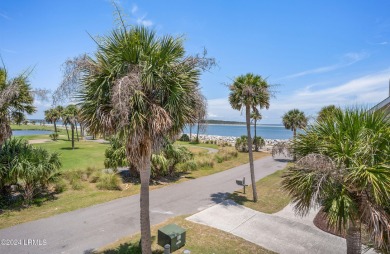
x: 70, y: 114
x: 345, y: 169
x: 326, y: 112
x: 143, y: 88
x: 52, y: 116
x: 61, y: 112
x: 15, y: 96
x: 256, y: 116
x: 294, y: 119
x: 247, y: 92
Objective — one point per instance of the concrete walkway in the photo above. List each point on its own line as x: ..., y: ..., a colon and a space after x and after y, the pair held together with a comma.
x: 85, y: 229
x: 282, y: 232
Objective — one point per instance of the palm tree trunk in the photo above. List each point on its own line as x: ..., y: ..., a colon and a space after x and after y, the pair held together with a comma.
x: 190, y: 132
x: 295, y: 134
x: 72, y: 127
x: 255, y: 138
x: 252, y: 167
x: 77, y: 133
x: 146, y: 242
x: 55, y: 127
x: 354, y: 243
x: 67, y: 132
x: 197, y: 134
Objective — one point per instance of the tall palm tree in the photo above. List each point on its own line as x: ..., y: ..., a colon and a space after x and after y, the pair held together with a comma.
x: 247, y: 92
x: 15, y: 96
x: 52, y: 116
x: 144, y: 88
x: 345, y: 169
x: 256, y: 116
x: 294, y: 119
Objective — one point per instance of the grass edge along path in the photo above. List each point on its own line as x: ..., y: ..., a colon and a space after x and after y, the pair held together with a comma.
x: 199, y: 239
x: 272, y: 198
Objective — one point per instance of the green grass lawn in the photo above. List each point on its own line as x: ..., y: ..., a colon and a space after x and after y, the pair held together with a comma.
x: 271, y: 196
x: 199, y: 239
x: 86, y: 153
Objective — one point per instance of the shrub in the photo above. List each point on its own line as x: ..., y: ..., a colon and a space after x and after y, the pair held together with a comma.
x: 32, y: 168
x: 185, y: 138
x: 225, y: 155
x: 258, y: 143
x: 77, y: 184
x: 205, y: 162
x: 90, y: 171
x: 109, y: 181
x: 60, y: 186
x: 54, y: 136
x: 188, y: 166
x: 95, y: 177
x: 242, y: 144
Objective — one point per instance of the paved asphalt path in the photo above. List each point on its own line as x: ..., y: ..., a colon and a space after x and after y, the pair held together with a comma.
x: 85, y: 229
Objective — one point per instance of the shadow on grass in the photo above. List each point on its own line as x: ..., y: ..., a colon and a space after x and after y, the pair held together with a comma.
x: 126, y: 248
x: 69, y: 148
x: 16, y: 203
x: 239, y: 198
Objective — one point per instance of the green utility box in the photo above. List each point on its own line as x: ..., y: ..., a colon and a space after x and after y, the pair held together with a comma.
x: 173, y: 235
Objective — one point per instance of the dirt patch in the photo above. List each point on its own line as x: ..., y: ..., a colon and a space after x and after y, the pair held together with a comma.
x: 39, y: 141
x: 321, y: 222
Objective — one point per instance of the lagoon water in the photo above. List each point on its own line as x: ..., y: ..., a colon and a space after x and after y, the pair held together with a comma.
x: 30, y: 132
x: 265, y: 131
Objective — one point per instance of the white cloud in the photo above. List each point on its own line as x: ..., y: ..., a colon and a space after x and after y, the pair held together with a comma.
x: 366, y: 91
x: 346, y: 60
x: 144, y: 22
x: 3, y: 15
x: 134, y: 9
x: 140, y: 19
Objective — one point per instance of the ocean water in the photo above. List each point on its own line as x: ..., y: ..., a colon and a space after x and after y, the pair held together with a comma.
x: 265, y: 131
x: 30, y: 132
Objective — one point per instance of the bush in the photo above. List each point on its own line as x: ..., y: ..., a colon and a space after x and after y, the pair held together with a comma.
x: 54, y: 136
x: 109, y: 181
x: 225, y: 155
x: 95, y: 177
x: 77, y: 184
x: 205, y: 162
x: 185, y: 138
x: 188, y: 166
x: 60, y: 186
x: 242, y: 144
x: 90, y: 171
x: 258, y: 143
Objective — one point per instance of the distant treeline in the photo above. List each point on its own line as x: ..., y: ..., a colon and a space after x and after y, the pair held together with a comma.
x: 222, y: 122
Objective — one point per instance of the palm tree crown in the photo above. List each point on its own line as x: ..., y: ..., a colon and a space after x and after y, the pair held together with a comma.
x: 249, y: 89
x: 15, y: 98
x: 295, y: 119
x: 344, y: 168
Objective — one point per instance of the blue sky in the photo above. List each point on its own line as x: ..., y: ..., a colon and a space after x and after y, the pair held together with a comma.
x: 317, y: 52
